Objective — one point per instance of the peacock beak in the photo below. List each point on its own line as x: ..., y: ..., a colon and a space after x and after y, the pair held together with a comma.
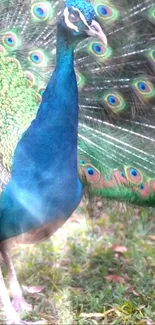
x: 95, y: 30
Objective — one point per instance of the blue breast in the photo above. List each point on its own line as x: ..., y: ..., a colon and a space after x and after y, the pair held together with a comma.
x: 45, y: 186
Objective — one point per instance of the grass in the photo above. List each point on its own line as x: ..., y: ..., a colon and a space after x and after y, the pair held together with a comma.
x: 95, y: 271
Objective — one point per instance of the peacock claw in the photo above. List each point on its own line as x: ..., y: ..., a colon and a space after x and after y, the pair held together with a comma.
x: 19, y: 304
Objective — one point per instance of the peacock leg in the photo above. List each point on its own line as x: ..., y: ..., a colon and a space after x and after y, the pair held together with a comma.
x: 18, y: 301
x: 12, y: 317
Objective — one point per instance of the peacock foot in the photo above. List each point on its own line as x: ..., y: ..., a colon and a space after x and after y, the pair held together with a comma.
x: 19, y: 304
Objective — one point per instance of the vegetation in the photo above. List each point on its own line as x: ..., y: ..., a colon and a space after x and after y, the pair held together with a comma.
x: 96, y: 271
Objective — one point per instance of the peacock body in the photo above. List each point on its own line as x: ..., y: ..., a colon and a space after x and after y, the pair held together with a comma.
x: 36, y: 193
x: 58, y: 151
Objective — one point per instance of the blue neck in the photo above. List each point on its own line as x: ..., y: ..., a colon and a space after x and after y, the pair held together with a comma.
x: 58, y: 112
x: 64, y: 51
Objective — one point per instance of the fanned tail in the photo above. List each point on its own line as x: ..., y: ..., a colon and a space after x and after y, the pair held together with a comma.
x: 116, y: 86
x: 27, y: 57
x: 117, y: 121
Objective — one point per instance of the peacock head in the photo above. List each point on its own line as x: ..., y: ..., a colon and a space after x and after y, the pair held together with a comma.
x: 80, y: 20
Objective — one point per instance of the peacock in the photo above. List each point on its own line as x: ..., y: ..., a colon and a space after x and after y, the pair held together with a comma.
x: 77, y: 115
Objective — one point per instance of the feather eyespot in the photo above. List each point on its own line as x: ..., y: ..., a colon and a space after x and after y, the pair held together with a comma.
x: 92, y: 174
x: 100, y: 51
x: 97, y: 48
x: 120, y: 177
x: 142, y: 187
x: 90, y: 171
x: 122, y: 174
x: 144, y: 88
x: 106, y: 12
x: 10, y: 40
x: 82, y: 162
x: 133, y: 172
x: 103, y: 11
x: 145, y: 189
x: 37, y: 58
x: 41, y: 11
x: 133, y: 175
x: 114, y: 101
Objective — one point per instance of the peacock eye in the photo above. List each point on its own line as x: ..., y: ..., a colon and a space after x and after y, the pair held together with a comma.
x: 74, y: 17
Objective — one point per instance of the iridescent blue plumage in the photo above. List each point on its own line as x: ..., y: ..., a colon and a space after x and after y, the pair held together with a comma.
x: 45, y: 160
x: 45, y: 185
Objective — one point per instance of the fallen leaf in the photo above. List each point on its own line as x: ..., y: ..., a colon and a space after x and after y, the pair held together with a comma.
x: 135, y: 293
x: 39, y: 322
x: 33, y: 289
x: 152, y: 237
x: 48, y: 317
x: 119, y: 249
x: 115, y: 278
x: 97, y: 315
x: 91, y: 315
x: 149, y: 321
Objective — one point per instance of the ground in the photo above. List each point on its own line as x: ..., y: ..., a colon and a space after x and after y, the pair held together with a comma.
x: 93, y: 271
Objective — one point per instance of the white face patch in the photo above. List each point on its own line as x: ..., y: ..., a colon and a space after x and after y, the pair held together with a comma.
x: 81, y: 16
x: 68, y: 22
